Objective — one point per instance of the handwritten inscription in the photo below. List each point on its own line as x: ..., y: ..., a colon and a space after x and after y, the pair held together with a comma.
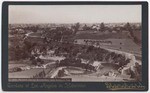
x: 15, y: 85
x: 45, y: 85
x: 125, y: 86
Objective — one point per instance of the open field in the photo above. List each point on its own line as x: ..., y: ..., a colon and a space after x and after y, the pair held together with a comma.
x: 126, y: 45
x: 100, y: 35
x: 10, y: 66
x: 25, y: 74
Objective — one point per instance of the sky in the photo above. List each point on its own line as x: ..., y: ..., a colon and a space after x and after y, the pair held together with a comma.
x: 74, y: 13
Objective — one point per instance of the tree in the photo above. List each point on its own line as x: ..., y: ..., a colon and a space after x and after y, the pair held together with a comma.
x: 77, y: 25
x: 35, y: 28
x: 85, y: 27
x: 102, y: 27
x: 128, y: 27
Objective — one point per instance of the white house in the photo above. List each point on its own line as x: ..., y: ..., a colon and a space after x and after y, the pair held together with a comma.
x: 97, y: 64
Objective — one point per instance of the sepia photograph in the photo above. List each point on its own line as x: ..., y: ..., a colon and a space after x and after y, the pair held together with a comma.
x: 75, y: 43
